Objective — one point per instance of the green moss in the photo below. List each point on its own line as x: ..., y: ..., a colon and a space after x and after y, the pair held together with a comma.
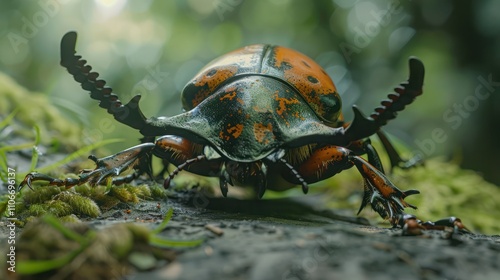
x: 36, y: 210
x: 40, y: 194
x: 157, y: 191
x: 58, y: 208
x: 99, y: 194
x: 81, y: 200
x: 123, y: 194
x: 80, y: 204
x: 142, y: 191
x: 72, y: 219
x: 132, y: 194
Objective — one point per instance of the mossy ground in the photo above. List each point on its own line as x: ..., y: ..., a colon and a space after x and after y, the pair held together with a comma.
x: 81, y: 201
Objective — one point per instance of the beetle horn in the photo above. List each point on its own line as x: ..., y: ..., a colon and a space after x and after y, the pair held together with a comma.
x: 129, y: 114
x: 361, y: 126
x: 403, y: 95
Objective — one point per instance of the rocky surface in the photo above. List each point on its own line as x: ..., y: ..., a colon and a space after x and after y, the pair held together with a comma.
x: 289, y: 239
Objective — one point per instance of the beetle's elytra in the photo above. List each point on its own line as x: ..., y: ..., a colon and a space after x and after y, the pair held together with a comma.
x: 285, y: 65
x: 262, y: 116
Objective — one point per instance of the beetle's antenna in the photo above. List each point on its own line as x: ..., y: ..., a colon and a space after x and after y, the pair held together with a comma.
x: 181, y: 167
x: 305, y: 187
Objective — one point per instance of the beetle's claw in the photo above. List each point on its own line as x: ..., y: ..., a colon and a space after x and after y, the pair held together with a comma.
x: 27, y: 180
x: 367, y: 194
x: 389, y: 207
x: 35, y: 176
x: 384, y: 197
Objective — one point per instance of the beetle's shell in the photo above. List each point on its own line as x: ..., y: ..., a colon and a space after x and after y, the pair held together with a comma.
x: 287, y: 65
x: 248, y: 118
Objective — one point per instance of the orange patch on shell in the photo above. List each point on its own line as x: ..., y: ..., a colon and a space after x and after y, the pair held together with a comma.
x: 283, y: 103
x: 232, y: 132
x: 263, y: 134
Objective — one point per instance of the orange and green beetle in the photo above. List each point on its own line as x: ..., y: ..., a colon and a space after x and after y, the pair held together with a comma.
x: 262, y: 116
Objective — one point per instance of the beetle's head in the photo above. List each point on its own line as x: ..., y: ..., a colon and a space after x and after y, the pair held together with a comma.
x: 204, y: 159
x: 252, y: 174
x: 244, y: 173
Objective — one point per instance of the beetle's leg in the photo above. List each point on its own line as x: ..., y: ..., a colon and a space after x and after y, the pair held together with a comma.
x: 450, y: 222
x: 35, y: 176
x: 223, y: 181
x: 187, y: 155
x: 181, y: 167
x: 106, y: 167
x: 261, y: 180
x: 297, y: 178
x: 394, y: 156
x: 413, y: 226
x: 303, y: 183
x: 384, y: 197
x: 365, y: 146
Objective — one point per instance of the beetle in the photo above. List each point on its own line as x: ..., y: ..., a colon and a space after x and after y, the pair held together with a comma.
x: 262, y: 116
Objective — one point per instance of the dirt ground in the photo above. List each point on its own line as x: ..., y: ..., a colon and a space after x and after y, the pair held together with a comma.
x: 289, y: 239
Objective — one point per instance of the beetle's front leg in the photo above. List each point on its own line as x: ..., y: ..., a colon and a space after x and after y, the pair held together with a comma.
x: 106, y: 167
x: 394, y: 157
x: 384, y: 197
